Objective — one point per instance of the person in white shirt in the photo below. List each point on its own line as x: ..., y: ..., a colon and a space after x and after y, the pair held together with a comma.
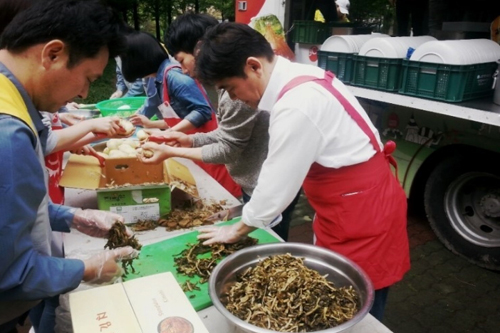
x: 321, y: 139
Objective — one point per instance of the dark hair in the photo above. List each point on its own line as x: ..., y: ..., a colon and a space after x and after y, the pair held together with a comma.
x: 225, y: 48
x: 143, y: 56
x: 85, y: 26
x: 186, y: 30
x: 10, y: 8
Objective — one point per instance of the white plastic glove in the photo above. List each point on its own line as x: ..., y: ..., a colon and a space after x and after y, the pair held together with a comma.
x: 104, y: 267
x: 116, y: 94
x: 96, y: 223
x: 224, y: 234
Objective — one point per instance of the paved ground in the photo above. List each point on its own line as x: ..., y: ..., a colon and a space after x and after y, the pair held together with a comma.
x: 441, y: 293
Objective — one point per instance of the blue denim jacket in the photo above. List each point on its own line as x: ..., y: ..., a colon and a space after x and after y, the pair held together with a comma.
x: 132, y: 89
x: 186, y: 98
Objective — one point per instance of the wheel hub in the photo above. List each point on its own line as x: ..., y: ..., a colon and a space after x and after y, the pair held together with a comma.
x: 472, y: 203
x: 490, y: 205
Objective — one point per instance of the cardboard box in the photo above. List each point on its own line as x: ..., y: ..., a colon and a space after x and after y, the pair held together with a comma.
x: 129, y: 187
x: 155, y: 303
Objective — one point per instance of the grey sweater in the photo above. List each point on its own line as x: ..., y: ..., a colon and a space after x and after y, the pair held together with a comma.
x: 240, y: 141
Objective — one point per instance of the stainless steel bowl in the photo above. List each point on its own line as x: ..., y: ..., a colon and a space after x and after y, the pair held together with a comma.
x: 341, y: 271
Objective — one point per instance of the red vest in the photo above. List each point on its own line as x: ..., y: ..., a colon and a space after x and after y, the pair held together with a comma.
x: 360, y: 209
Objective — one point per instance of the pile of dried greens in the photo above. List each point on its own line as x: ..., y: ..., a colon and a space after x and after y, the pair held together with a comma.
x: 281, y: 294
x: 189, y: 263
x: 118, y: 237
x: 190, y: 215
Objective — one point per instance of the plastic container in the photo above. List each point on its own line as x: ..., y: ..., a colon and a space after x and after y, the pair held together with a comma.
x: 457, y: 52
x: 348, y: 43
x: 310, y: 32
x: 377, y: 73
x: 341, y: 64
x: 122, y: 107
x: 336, y: 54
x: 449, y: 83
x: 394, y: 47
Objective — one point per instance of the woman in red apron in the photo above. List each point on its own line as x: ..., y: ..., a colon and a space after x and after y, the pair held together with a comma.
x: 180, y: 101
x: 320, y: 140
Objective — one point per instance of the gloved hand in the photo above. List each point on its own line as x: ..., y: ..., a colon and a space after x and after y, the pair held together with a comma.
x: 104, y: 267
x: 96, y: 223
x: 224, y: 234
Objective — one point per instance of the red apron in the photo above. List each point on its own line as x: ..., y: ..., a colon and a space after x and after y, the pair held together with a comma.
x: 53, y: 163
x: 217, y: 171
x: 360, y: 209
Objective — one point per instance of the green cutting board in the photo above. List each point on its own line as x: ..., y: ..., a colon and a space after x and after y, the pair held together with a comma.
x: 159, y: 258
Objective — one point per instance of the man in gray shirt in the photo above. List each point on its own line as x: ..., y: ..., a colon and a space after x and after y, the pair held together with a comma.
x: 241, y: 139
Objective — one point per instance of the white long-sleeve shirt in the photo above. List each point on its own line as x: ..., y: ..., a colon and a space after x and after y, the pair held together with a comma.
x: 307, y: 125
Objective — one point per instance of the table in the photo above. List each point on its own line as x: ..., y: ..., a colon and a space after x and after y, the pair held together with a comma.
x: 78, y: 245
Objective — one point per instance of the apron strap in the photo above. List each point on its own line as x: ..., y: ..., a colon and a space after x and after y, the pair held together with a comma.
x: 326, y: 82
x: 166, y: 98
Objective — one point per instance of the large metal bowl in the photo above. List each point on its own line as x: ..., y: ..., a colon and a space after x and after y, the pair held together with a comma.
x: 341, y: 271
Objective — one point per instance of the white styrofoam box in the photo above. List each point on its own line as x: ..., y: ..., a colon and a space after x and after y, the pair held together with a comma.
x: 458, y: 52
x: 348, y: 43
x: 307, y: 53
x: 394, y: 47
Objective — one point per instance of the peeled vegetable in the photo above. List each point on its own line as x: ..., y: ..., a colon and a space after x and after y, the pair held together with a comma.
x: 128, y: 127
x: 120, y: 148
x: 142, y: 135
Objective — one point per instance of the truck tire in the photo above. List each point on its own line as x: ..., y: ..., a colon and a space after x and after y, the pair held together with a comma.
x: 462, y: 202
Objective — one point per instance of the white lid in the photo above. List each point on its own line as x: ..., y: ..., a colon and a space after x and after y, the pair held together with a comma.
x: 458, y: 52
x: 347, y: 43
x: 394, y: 47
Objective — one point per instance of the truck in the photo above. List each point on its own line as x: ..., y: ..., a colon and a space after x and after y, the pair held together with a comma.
x: 448, y: 154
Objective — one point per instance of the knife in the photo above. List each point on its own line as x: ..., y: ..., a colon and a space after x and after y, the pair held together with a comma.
x: 226, y: 214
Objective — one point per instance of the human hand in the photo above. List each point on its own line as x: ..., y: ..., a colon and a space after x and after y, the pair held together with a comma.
x: 70, y: 119
x: 153, y: 153
x: 84, y: 150
x: 96, y: 223
x: 106, y: 126
x: 103, y: 267
x: 140, y: 120
x: 172, y: 138
x: 72, y: 106
x: 224, y: 234
x: 116, y: 94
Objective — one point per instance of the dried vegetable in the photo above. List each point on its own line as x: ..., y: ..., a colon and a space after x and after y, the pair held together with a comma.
x: 118, y: 237
x: 189, y: 262
x: 281, y: 294
x: 190, y: 215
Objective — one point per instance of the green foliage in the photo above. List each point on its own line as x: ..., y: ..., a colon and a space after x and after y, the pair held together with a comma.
x: 103, y: 87
x: 377, y: 14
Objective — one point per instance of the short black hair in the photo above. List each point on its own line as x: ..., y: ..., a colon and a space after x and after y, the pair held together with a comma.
x: 10, y: 8
x: 85, y: 26
x: 225, y: 48
x: 143, y: 56
x: 186, y: 30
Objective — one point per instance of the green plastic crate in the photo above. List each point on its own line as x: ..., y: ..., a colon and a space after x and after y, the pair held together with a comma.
x: 377, y: 73
x: 449, y: 83
x: 121, y: 107
x: 341, y: 64
x: 310, y: 32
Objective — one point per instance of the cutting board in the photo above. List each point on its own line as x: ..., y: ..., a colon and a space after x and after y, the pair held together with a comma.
x: 159, y: 257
